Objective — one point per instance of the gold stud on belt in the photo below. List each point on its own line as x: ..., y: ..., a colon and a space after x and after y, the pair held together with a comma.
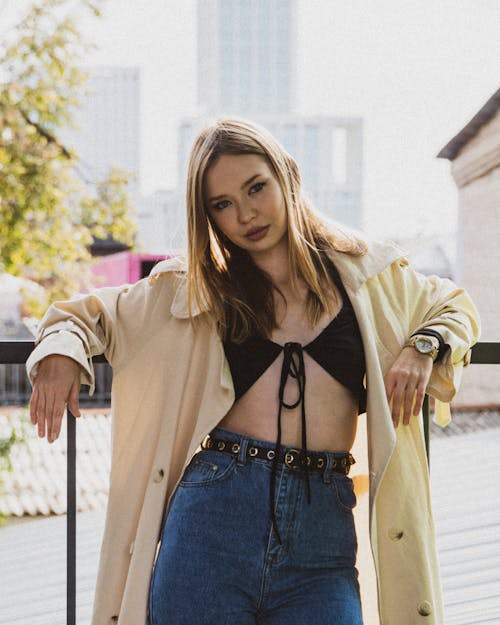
x: 289, y: 458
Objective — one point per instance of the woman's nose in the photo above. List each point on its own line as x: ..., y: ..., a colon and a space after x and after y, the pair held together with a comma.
x: 246, y: 212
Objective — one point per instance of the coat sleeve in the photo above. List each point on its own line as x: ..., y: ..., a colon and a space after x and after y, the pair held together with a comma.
x: 113, y: 321
x: 438, y: 304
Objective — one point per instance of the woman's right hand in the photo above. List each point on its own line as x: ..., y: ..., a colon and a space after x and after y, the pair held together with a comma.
x: 57, y: 383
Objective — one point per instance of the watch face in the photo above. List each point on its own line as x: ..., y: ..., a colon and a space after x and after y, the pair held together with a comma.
x: 424, y: 346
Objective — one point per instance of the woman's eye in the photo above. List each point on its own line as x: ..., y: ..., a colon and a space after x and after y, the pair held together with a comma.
x: 257, y: 187
x: 220, y: 205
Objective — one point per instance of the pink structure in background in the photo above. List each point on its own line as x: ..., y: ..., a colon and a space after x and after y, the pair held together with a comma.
x: 124, y: 267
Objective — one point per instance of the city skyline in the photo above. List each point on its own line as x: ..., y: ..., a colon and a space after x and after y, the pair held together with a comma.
x: 416, y: 72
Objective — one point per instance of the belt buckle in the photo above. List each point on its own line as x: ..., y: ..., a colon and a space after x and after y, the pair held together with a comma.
x: 289, y: 458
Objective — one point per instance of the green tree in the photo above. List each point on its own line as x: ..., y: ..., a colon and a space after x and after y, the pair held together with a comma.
x: 49, y: 214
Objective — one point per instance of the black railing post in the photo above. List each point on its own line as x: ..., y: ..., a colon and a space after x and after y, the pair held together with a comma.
x: 426, y: 417
x: 71, y: 521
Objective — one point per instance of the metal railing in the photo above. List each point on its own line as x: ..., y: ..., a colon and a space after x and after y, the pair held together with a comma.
x: 15, y: 389
x: 17, y: 352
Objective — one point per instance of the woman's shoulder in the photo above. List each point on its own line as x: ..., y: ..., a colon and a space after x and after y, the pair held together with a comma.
x: 378, y: 255
x: 173, y: 265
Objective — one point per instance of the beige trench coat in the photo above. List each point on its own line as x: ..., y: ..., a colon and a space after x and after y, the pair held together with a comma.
x: 172, y: 385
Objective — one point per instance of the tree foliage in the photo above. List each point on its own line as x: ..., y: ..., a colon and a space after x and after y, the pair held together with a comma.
x: 48, y: 213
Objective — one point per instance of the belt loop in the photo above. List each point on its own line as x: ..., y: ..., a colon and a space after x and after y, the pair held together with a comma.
x: 327, y: 473
x: 242, y: 453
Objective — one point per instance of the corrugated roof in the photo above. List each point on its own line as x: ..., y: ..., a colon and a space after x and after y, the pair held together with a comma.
x: 453, y: 147
x: 37, y: 483
x: 465, y: 482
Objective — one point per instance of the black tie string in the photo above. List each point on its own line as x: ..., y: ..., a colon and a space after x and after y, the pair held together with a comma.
x: 293, y: 366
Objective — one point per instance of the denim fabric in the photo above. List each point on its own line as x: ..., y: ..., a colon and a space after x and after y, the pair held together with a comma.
x: 219, y: 561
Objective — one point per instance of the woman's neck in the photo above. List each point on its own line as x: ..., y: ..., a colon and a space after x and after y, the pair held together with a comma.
x: 275, y: 264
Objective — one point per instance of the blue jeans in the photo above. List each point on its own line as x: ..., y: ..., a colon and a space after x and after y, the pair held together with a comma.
x: 220, y: 562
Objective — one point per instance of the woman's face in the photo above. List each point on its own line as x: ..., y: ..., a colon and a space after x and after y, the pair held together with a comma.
x: 245, y: 201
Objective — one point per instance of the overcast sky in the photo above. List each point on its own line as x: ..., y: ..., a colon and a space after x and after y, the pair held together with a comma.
x: 415, y: 70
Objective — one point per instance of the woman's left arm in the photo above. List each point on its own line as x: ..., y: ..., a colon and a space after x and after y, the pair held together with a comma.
x: 434, y: 305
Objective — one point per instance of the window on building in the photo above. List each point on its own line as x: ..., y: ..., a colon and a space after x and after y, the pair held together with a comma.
x: 339, y: 156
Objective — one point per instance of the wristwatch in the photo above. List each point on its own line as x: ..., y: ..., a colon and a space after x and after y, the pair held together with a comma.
x: 424, y: 345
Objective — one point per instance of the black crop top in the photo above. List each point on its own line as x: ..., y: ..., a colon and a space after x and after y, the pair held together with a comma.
x: 338, y: 349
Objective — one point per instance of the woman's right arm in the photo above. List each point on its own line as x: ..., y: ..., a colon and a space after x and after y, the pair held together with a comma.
x: 114, y: 321
x: 70, y: 333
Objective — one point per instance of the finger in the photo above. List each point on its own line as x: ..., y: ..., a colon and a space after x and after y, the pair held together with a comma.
x: 408, y: 403
x: 419, y: 399
x: 49, y: 410
x: 40, y: 415
x: 389, y: 384
x: 55, y: 427
x: 33, y: 405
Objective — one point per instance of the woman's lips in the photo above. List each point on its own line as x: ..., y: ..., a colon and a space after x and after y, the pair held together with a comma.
x: 256, y: 235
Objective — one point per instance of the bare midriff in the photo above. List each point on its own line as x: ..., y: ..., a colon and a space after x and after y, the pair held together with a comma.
x: 331, y: 409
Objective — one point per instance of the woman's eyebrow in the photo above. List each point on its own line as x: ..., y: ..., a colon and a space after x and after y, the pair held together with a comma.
x: 245, y: 184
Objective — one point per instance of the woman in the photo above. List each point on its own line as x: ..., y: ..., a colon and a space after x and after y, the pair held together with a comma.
x: 260, y: 349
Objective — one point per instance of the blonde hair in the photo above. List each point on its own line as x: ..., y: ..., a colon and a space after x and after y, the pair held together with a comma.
x: 223, y: 276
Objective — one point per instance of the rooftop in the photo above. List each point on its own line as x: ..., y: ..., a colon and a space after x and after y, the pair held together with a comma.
x: 37, y: 483
x: 482, y: 117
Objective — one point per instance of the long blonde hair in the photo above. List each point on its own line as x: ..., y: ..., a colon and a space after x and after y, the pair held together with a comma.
x: 222, y: 275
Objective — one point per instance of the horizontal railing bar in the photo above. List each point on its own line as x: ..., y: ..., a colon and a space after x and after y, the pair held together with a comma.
x: 14, y: 352
x: 485, y: 353
x: 17, y: 352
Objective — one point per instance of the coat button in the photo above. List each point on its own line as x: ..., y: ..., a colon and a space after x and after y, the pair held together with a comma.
x: 395, y: 533
x: 158, y: 476
x: 425, y: 608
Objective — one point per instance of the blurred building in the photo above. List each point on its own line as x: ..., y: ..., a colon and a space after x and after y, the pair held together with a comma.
x: 162, y: 222
x: 108, y: 125
x: 247, y: 68
x: 124, y: 267
x: 475, y: 166
x: 245, y: 59
x: 427, y: 254
x: 108, y: 132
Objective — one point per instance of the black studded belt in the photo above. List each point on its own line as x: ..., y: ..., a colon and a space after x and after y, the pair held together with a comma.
x: 290, y: 457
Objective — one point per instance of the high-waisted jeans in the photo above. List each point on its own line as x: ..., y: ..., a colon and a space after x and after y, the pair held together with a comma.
x: 220, y: 562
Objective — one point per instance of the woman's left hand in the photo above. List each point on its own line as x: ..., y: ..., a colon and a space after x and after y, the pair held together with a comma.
x: 405, y: 383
